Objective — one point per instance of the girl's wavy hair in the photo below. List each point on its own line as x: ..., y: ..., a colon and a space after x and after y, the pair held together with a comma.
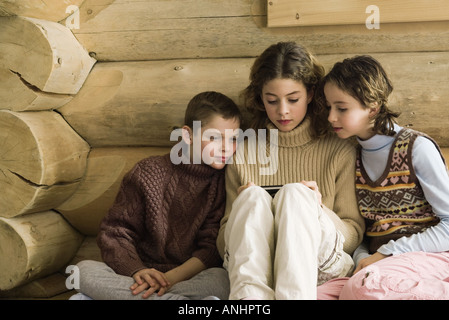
x: 284, y: 60
x: 364, y: 78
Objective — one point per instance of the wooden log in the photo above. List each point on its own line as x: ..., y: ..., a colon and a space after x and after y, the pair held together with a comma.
x: 42, y: 161
x: 180, y: 29
x: 139, y: 103
x: 283, y: 13
x: 17, y: 95
x: 33, y: 246
x: 88, y: 250
x: 42, y: 57
x: 128, y: 113
x: 445, y: 152
x: 42, y: 288
x: 97, y: 191
x: 52, y: 10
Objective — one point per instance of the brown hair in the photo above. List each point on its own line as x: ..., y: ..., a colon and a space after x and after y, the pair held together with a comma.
x: 284, y: 60
x: 364, y: 79
x: 206, y: 104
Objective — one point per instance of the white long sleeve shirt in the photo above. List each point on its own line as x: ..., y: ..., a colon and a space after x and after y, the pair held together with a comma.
x: 434, y: 179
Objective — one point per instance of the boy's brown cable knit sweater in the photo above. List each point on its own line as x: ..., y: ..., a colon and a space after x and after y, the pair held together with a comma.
x: 163, y: 215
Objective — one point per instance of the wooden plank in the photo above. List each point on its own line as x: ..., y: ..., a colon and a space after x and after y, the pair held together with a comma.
x: 140, y: 103
x: 445, y: 152
x: 289, y: 13
x: 88, y: 250
x: 179, y: 29
x: 42, y: 288
x: 116, y: 107
x: 52, y: 10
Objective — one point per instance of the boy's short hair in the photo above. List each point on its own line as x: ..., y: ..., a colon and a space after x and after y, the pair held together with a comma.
x: 206, y: 104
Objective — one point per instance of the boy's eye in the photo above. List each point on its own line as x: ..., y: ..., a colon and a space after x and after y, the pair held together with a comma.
x: 215, y: 138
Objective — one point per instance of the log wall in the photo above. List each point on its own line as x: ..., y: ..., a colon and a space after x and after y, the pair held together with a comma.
x: 79, y: 107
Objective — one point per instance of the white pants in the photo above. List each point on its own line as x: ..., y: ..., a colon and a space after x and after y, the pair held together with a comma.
x: 281, y: 248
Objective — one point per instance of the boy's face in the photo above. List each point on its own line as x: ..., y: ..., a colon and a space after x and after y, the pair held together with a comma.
x: 219, y: 141
x: 347, y: 115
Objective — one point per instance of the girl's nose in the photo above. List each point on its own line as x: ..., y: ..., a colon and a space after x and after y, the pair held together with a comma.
x: 331, y: 117
x: 283, y: 108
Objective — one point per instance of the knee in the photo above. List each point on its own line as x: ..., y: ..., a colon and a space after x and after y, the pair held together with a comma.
x: 296, y: 188
x: 220, y: 275
x: 221, y: 280
x: 253, y: 199
x: 87, y: 271
x: 299, y: 199
x: 256, y: 192
x: 87, y: 265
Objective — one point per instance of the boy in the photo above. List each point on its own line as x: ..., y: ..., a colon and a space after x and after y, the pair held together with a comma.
x: 162, y: 228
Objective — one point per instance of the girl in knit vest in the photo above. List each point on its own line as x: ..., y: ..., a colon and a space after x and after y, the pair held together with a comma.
x: 282, y: 247
x: 402, y: 189
x: 158, y: 240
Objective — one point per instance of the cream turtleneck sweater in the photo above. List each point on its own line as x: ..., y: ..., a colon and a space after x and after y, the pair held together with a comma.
x: 329, y: 161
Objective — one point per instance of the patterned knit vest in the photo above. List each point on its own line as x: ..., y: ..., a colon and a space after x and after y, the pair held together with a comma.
x: 394, y: 206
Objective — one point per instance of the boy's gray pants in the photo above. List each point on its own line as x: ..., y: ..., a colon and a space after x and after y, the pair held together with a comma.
x: 100, y: 282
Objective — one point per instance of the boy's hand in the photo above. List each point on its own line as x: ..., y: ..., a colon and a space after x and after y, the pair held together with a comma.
x: 151, y: 279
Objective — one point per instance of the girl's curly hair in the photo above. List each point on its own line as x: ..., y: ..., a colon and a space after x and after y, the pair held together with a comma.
x: 284, y: 60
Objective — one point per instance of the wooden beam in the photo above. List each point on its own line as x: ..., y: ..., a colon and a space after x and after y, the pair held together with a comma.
x: 18, y: 95
x: 42, y: 288
x: 42, y: 161
x: 181, y: 29
x: 33, y: 246
x: 132, y: 103
x: 292, y: 13
x: 52, y: 10
x: 140, y: 103
x: 41, y: 61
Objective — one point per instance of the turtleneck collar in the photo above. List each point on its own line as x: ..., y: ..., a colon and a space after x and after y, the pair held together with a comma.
x: 199, y: 170
x: 379, y: 141
x: 296, y: 137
